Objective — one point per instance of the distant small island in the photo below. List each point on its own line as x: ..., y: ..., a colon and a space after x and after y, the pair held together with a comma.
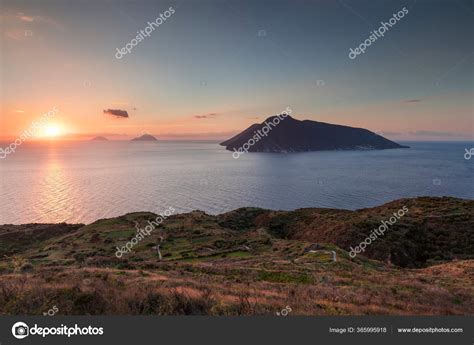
x: 99, y: 138
x: 291, y: 135
x: 145, y: 137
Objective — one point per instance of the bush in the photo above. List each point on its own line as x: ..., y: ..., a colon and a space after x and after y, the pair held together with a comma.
x: 26, y: 267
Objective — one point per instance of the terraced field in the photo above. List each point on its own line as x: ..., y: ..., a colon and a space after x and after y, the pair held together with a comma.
x: 249, y: 261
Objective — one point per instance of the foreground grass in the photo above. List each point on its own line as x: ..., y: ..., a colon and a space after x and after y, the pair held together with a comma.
x: 245, y: 262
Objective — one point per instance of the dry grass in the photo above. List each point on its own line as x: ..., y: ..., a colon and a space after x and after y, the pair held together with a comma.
x: 85, y: 291
x: 245, y: 262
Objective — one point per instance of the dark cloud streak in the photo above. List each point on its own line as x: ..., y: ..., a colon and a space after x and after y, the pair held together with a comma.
x: 116, y: 112
x: 206, y: 116
x: 436, y: 134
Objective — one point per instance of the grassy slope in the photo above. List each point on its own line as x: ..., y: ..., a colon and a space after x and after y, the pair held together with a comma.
x: 248, y: 261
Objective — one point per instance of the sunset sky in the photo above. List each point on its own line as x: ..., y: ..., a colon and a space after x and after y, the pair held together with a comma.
x: 215, y: 67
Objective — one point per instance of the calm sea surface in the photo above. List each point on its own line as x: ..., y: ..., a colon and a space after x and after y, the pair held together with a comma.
x: 86, y: 181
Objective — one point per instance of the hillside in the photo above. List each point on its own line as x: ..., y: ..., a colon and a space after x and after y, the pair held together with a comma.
x: 99, y: 138
x: 145, y: 137
x: 291, y: 135
x: 434, y: 230
x: 248, y: 261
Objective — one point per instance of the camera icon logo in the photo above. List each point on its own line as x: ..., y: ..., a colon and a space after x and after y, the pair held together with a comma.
x: 20, y: 330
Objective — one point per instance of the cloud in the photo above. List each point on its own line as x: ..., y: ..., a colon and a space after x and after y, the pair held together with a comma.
x: 197, y: 136
x: 116, y: 112
x: 87, y: 136
x: 24, y: 18
x: 20, y: 26
x: 206, y: 116
x: 412, y: 101
x: 18, y: 35
x: 437, y: 134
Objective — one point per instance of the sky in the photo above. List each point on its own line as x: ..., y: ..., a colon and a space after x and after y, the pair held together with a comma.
x: 213, y: 68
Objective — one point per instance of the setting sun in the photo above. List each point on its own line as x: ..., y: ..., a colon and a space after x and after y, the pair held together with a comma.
x: 52, y: 131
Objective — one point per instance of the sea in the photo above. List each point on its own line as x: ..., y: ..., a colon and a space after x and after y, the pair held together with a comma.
x: 81, y: 182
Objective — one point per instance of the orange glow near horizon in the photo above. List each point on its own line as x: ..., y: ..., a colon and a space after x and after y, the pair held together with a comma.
x: 82, y: 121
